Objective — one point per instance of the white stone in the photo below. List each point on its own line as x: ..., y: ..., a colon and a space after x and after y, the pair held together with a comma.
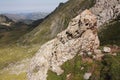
x: 107, y: 49
x: 87, y: 76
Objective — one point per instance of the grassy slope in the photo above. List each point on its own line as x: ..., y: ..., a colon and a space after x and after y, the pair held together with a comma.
x: 110, y: 33
x: 72, y: 67
x: 107, y: 69
x: 11, y: 53
x: 9, y: 35
x: 43, y: 33
x: 60, y: 18
x: 7, y: 76
x: 111, y: 68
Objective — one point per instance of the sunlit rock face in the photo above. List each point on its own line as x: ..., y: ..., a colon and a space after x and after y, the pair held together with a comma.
x: 106, y: 10
x: 80, y: 36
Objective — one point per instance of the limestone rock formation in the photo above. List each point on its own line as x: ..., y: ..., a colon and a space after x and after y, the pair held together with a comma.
x: 80, y: 36
x: 106, y: 10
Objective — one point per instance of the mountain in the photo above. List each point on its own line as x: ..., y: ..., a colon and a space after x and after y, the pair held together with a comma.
x: 53, y: 59
x: 56, y: 21
x: 80, y: 40
x: 59, y: 19
x: 26, y: 17
x: 10, y: 31
x: 5, y: 20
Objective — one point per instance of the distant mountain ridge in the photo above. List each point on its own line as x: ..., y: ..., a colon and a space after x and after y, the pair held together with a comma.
x: 26, y: 17
x: 4, y: 20
x: 57, y: 21
x: 10, y: 31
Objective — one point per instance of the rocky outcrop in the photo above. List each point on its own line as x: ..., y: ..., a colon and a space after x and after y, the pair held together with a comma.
x: 79, y: 37
x: 106, y: 10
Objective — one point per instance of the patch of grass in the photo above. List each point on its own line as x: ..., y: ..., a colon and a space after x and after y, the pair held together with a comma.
x: 53, y: 76
x: 72, y: 67
x: 56, y: 22
x: 13, y: 53
x: 8, y: 76
x: 111, y: 68
x: 110, y: 33
x: 107, y: 69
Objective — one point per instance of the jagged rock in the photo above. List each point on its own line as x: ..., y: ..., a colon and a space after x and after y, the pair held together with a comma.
x: 106, y: 10
x: 87, y: 76
x: 107, y: 49
x: 80, y: 36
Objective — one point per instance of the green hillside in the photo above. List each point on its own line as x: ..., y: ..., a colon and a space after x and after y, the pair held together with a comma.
x: 20, y: 42
x: 11, y: 53
x: 56, y: 21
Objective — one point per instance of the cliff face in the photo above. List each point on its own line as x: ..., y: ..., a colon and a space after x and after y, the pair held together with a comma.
x: 80, y: 37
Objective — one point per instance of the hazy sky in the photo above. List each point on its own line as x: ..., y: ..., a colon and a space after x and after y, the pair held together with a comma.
x: 28, y: 5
